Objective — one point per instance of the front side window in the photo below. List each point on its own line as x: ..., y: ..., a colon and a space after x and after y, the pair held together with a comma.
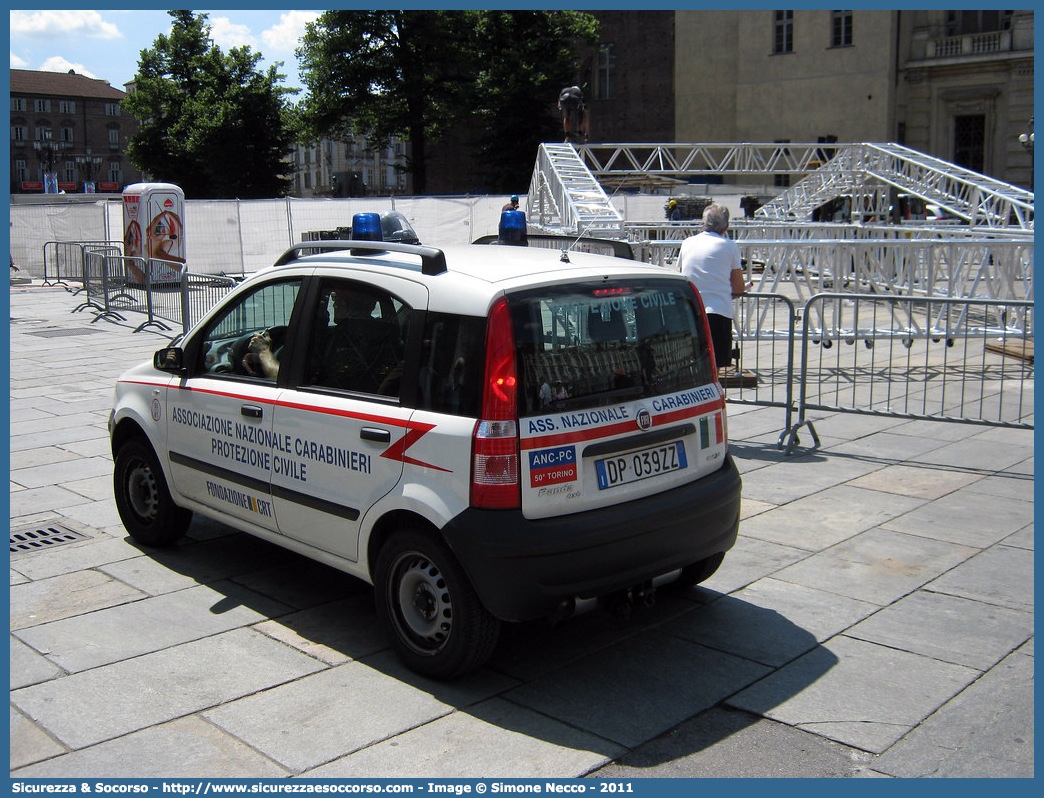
x: 42, y: 106
x: 600, y: 344
x: 357, y: 340
x: 783, y: 32
x: 247, y: 338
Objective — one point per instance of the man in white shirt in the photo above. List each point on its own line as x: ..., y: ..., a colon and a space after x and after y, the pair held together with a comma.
x: 712, y: 262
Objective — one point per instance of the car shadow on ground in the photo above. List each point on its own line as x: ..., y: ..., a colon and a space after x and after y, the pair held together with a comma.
x: 598, y: 682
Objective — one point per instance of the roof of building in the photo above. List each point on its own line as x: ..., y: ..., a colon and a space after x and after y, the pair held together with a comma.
x: 65, y: 84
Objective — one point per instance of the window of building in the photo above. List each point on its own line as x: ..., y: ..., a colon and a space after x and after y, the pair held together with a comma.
x: 606, y: 71
x: 67, y: 134
x: 21, y: 170
x: 114, y: 172
x: 69, y: 172
x: 42, y: 106
x: 112, y: 109
x: 840, y: 28
x: 18, y: 103
x: 969, y: 141
x: 959, y: 23
x: 307, y: 179
x: 44, y: 133
x: 114, y: 137
x: 783, y: 32
x: 18, y: 133
x: 66, y: 106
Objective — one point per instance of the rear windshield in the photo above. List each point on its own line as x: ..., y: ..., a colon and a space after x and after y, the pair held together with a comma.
x: 589, y: 345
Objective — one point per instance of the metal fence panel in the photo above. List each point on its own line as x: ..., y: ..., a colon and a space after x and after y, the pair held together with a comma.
x: 959, y: 359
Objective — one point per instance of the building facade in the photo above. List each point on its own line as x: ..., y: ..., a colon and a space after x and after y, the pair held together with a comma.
x: 957, y: 85
x: 69, y: 126
x: 349, y: 168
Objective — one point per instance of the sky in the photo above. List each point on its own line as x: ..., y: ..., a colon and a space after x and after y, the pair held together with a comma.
x: 107, y: 44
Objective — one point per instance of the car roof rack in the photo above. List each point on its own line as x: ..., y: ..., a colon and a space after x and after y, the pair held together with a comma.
x: 433, y: 260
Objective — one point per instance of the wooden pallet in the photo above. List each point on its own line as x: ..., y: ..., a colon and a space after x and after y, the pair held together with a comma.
x: 730, y: 378
x: 1021, y: 348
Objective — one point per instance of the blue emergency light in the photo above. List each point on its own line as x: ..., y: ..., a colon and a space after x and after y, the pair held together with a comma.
x: 513, y: 228
x: 367, y: 227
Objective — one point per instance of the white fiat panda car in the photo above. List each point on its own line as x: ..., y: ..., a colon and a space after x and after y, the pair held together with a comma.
x: 483, y: 433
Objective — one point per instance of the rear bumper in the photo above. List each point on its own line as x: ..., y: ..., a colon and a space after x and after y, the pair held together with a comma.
x: 524, y: 569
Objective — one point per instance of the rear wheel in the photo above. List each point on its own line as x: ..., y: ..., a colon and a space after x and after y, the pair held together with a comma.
x: 142, y: 498
x: 428, y: 607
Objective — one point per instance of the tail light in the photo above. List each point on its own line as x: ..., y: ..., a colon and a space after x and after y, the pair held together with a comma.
x: 495, y: 453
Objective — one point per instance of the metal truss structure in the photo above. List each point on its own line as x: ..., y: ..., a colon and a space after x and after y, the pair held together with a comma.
x: 868, y: 175
x: 565, y: 197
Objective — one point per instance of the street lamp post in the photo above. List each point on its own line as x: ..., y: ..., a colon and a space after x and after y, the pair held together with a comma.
x: 88, y: 165
x: 48, y: 151
x: 1026, y: 140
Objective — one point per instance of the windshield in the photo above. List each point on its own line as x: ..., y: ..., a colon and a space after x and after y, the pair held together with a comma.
x: 598, y: 344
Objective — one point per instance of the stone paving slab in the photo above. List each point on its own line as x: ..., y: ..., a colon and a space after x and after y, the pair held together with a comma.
x: 152, y: 624
x: 66, y: 596
x: 724, y: 743
x: 185, y: 748
x: 948, y: 628
x: 770, y: 621
x: 84, y: 708
x: 1000, y: 575
x: 492, y: 740
x: 879, y: 566
x: 978, y: 734
x: 314, y: 720
x: 639, y: 688
x: 857, y: 693
x: 835, y: 514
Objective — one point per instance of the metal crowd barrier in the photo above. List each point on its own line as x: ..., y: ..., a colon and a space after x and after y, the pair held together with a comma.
x: 165, y: 291
x: 66, y: 261
x: 941, y: 358
x: 763, y: 335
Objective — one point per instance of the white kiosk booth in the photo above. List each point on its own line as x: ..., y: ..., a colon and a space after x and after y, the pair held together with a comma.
x: 153, y: 229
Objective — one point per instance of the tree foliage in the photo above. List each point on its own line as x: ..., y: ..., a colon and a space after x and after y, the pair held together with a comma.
x: 211, y: 122
x: 416, y: 74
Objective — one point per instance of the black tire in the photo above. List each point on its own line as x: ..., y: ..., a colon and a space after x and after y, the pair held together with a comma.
x: 701, y: 571
x: 436, y: 622
x: 142, y: 498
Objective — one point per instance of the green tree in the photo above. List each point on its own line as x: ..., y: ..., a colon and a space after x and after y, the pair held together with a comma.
x: 211, y: 122
x: 385, y: 74
x: 528, y: 57
x: 416, y: 74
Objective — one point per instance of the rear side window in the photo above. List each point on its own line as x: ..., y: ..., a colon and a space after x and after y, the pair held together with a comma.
x: 452, y: 364
x: 598, y: 344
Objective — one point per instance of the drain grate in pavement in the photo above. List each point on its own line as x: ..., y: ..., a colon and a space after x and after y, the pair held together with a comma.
x: 60, y: 333
x: 43, y: 537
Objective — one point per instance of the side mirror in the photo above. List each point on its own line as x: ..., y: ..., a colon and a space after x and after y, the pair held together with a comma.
x: 171, y: 359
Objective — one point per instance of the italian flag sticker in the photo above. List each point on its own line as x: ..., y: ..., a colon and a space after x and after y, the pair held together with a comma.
x: 705, y: 431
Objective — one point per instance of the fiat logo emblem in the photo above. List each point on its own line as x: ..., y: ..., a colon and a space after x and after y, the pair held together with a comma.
x: 644, y: 419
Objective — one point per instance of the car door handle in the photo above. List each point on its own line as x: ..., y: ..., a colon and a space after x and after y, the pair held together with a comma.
x: 251, y: 411
x: 371, y: 434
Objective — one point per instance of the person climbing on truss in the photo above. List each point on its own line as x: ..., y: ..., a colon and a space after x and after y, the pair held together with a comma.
x: 574, y: 114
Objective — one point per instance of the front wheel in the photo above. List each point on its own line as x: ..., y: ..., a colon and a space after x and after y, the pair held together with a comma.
x: 142, y: 498
x: 436, y: 621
